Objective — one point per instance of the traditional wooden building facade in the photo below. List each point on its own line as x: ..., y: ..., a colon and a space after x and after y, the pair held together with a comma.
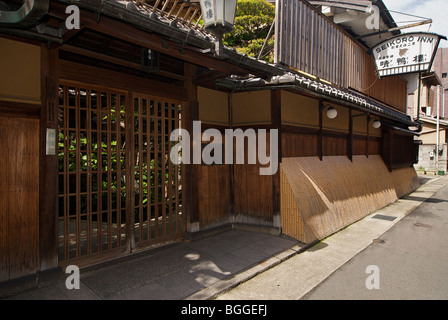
x: 86, y: 116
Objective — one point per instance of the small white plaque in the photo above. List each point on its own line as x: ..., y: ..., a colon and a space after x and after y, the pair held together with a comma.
x: 51, y: 142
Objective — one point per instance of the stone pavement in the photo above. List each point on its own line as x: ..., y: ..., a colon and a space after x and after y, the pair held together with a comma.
x: 229, y: 265
x: 294, y: 278
x: 410, y: 259
x: 175, y: 271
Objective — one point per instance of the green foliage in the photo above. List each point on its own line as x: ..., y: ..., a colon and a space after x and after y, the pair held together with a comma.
x: 252, y: 24
x: 73, y: 152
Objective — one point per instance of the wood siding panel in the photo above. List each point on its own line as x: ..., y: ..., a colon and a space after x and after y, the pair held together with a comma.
x: 211, y: 192
x: 19, y: 203
x: 254, y: 198
x: 359, y: 145
x: 374, y: 146
x: 299, y: 145
x: 334, y: 146
x: 253, y: 194
x: 4, y: 203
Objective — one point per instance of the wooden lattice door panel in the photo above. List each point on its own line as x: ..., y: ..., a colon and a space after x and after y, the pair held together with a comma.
x: 92, y: 176
x: 117, y: 185
x: 157, y: 181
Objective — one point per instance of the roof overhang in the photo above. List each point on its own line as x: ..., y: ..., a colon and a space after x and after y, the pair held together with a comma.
x: 260, y: 75
x: 431, y: 79
x: 26, y: 15
x: 325, y: 91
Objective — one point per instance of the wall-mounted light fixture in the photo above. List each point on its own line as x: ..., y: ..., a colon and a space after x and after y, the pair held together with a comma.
x: 376, y: 124
x: 332, y: 113
x: 150, y: 60
x: 219, y: 18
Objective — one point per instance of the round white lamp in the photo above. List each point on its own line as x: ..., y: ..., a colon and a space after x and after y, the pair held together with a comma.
x: 376, y: 124
x: 332, y: 113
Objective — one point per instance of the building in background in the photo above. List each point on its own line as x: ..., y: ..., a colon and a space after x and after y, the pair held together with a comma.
x: 433, y: 103
x: 440, y: 67
x: 432, y: 152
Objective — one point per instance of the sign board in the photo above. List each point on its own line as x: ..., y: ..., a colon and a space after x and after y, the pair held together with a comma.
x: 406, y: 53
x: 51, y: 142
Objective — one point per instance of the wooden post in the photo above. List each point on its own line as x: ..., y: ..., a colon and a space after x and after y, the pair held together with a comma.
x: 387, y: 147
x: 48, y: 167
x: 350, y: 137
x: 368, y: 137
x: 276, y: 123
x: 320, y: 136
x: 232, y: 166
x: 190, y: 113
x: 130, y: 193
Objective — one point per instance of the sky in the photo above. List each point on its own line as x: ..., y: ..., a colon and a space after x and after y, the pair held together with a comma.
x: 437, y: 10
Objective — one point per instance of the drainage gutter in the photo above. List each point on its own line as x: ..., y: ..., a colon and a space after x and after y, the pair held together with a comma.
x: 27, y: 15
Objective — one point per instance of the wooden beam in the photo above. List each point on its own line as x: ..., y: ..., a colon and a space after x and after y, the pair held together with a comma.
x: 209, y: 77
x: 71, y: 33
x: 127, y: 32
x: 118, y: 61
x: 83, y: 73
x: 19, y: 109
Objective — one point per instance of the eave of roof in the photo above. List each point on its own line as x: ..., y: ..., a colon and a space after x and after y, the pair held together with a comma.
x: 277, y: 75
x: 433, y: 121
x: 153, y: 23
x: 324, y: 91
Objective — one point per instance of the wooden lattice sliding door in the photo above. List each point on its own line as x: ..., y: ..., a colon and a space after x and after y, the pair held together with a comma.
x: 117, y: 186
x: 157, y: 183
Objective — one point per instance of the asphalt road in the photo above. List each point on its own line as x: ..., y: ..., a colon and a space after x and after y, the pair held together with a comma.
x: 410, y: 260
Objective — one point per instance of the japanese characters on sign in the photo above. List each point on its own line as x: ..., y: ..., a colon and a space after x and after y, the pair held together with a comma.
x: 218, y: 15
x: 209, y: 11
x: 406, y: 53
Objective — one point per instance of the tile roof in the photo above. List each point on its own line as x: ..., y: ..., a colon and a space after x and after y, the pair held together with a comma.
x: 323, y: 90
x: 183, y: 25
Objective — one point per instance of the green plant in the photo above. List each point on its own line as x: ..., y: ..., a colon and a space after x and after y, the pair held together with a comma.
x: 106, y: 158
x: 252, y: 24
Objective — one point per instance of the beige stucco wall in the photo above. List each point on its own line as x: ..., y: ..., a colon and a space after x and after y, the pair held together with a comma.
x: 299, y: 110
x: 251, y: 107
x: 213, y: 106
x: 359, y: 123
x: 429, y: 134
x: 302, y: 111
x: 372, y: 131
x: 20, y: 66
x: 340, y: 123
